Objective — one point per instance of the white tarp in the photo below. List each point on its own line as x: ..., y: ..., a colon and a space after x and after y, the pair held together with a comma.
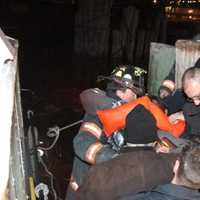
x: 8, y: 58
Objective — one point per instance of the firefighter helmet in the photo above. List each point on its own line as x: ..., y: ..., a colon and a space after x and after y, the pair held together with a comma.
x: 128, y: 76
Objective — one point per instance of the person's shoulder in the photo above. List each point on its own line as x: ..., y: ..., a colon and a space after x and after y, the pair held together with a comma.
x: 93, y: 99
x: 144, y: 196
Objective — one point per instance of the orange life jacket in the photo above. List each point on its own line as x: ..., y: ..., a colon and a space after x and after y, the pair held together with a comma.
x: 115, y: 118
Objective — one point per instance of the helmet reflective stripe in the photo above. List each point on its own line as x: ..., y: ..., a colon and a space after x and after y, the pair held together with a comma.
x: 123, y: 68
x: 118, y: 74
x: 91, y: 128
x: 92, y: 151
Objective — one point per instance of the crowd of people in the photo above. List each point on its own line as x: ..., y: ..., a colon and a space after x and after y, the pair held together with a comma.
x: 122, y: 124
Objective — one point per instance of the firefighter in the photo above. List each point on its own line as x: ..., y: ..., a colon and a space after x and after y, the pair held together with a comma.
x: 91, y: 145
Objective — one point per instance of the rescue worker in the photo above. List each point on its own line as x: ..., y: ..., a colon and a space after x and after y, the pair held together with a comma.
x: 174, y: 99
x: 191, y: 109
x: 91, y: 145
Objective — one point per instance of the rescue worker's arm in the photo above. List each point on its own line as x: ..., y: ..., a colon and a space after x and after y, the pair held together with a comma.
x: 176, y: 116
x: 89, y: 145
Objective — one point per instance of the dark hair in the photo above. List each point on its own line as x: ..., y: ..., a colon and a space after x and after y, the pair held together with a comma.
x: 189, y: 169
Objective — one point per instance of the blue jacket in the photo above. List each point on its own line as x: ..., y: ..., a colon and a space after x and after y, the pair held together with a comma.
x: 166, y: 192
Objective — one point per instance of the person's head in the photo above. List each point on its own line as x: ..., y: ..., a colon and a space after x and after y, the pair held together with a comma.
x: 187, y: 167
x: 167, y: 88
x: 126, y: 82
x: 191, y: 84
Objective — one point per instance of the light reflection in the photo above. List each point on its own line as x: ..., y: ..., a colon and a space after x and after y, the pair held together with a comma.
x: 190, y: 11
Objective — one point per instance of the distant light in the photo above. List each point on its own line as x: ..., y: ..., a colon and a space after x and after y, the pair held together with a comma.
x: 190, y: 11
x: 168, y: 8
x: 190, y: 17
x: 154, y: 1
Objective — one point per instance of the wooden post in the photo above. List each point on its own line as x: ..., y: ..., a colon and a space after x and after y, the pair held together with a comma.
x: 162, y: 58
x: 187, y: 53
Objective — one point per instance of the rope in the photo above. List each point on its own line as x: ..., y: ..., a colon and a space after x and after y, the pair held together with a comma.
x: 55, y: 132
x: 70, y: 125
x: 51, y: 177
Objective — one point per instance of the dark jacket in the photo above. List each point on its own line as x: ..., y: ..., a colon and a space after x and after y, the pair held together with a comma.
x: 128, y: 173
x: 192, y: 116
x: 166, y: 192
x: 174, y: 102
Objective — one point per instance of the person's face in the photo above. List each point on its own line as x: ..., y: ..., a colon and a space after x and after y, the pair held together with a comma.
x: 192, y: 90
x: 163, y: 93
x: 127, y: 95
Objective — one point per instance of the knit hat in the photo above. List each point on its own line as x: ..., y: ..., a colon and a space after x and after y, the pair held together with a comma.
x: 140, y: 126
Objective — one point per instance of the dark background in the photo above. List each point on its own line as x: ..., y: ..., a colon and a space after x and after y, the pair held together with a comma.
x: 52, y: 37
